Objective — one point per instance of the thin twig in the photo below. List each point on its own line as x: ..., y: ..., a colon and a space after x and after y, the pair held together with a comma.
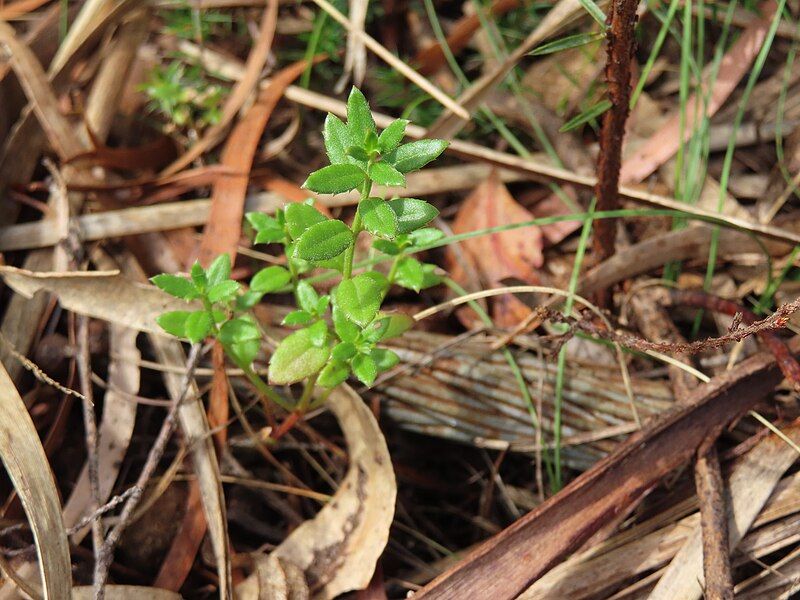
x: 714, y: 523
x: 153, y: 458
x: 90, y: 429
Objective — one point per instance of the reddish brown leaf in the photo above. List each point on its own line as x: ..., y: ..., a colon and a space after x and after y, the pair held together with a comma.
x: 511, y: 254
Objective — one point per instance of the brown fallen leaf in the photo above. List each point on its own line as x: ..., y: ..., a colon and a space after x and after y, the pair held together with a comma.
x: 273, y: 579
x: 511, y: 254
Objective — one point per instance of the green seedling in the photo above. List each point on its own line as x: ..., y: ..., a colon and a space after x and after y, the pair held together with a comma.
x: 340, y: 334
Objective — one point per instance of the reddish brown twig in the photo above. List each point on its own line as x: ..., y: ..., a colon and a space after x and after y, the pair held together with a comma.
x: 621, y: 42
x: 714, y: 523
x: 787, y: 363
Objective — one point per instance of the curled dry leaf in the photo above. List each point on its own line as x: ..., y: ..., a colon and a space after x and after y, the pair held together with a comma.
x: 26, y: 464
x: 125, y: 592
x: 338, y: 549
x: 516, y: 254
x: 273, y: 579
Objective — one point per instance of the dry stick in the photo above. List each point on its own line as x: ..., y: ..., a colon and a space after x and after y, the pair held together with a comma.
x: 787, y: 363
x: 621, y: 24
x: 713, y: 523
x: 153, y: 458
x: 92, y: 458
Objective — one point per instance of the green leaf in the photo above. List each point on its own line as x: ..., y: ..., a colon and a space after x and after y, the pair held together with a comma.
x: 268, y: 229
x: 248, y: 300
x: 322, y: 304
x: 358, y: 153
x: 269, y: 279
x: 323, y: 241
x: 300, y: 216
x: 360, y: 298
x: 177, y: 286
x: 387, y: 247
x: 337, y: 139
x: 243, y: 353
x: 345, y: 328
x: 239, y: 330
x: 174, y: 322
x: 296, y: 358
x: 332, y: 375
x: 297, y: 317
x: 393, y: 325
x: 199, y: 277
x: 359, y: 117
x: 318, y: 334
x: 307, y: 297
x: 197, y: 326
x: 383, y: 173
x: 409, y: 274
x: 343, y: 351
x: 223, y: 291
x: 335, y: 179
x: 365, y: 369
x: 595, y: 11
x: 412, y: 213
x: 565, y: 43
x: 431, y: 278
x: 590, y: 113
x: 391, y: 137
x: 378, y: 218
x: 415, y: 155
x: 425, y: 236
x: 219, y: 270
x: 384, y: 359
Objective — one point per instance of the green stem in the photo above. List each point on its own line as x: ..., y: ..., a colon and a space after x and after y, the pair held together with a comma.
x: 347, y: 271
x: 308, y: 393
x: 263, y: 387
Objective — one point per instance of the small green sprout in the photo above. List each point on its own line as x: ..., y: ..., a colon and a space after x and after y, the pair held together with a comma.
x: 337, y: 335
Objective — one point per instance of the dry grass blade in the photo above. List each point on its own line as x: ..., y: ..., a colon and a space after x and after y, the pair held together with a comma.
x: 27, y: 466
x: 394, y: 62
x: 560, y: 15
x: 37, y: 87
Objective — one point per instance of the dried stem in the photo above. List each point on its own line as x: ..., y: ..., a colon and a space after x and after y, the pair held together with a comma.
x: 787, y: 363
x: 92, y: 458
x: 620, y: 33
x: 105, y: 558
x: 714, y: 523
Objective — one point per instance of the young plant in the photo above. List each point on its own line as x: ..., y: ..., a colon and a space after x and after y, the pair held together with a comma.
x: 338, y: 334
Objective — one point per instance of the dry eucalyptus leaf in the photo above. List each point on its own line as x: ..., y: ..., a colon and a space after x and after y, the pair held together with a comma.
x: 105, y: 295
x: 338, y: 549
